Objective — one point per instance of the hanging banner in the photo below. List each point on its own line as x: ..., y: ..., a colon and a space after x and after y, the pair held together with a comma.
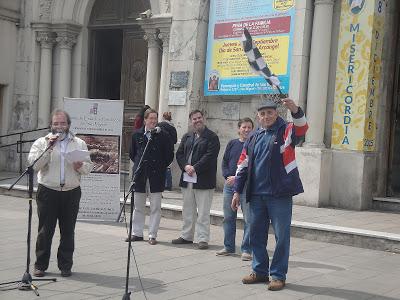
x: 99, y: 124
x: 270, y: 23
x: 358, y: 73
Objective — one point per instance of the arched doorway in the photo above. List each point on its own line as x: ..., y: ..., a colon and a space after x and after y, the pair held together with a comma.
x: 118, y: 58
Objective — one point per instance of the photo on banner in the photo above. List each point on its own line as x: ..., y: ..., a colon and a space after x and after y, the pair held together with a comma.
x: 99, y: 124
x: 271, y: 25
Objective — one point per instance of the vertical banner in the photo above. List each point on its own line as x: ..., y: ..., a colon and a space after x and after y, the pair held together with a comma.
x: 99, y: 124
x: 270, y: 23
x: 358, y: 73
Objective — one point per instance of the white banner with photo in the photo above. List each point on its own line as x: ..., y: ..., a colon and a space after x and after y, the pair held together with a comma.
x: 99, y: 124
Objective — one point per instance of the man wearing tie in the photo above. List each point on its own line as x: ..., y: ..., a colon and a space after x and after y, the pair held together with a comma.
x: 150, y: 179
x: 58, y: 193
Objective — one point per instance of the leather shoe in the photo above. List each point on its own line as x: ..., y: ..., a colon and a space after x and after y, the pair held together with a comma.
x: 254, y: 278
x: 38, y: 273
x: 202, y: 245
x: 134, y: 238
x: 181, y: 240
x: 152, y: 241
x: 66, y: 273
x: 276, y: 285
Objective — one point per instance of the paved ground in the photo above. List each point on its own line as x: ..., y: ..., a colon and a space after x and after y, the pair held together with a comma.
x: 317, y: 270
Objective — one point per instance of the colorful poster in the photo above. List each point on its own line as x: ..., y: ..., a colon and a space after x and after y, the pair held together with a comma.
x: 271, y: 25
x: 358, y: 73
x: 99, y: 124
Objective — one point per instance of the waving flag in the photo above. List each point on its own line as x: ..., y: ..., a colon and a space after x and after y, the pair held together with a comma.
x: 256, y: 61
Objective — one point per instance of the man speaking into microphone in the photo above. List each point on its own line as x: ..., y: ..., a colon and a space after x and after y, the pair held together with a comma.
x: 58, y: 193
x: 150, y: 180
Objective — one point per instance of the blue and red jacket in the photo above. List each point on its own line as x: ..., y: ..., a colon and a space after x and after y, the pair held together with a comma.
x: 285, y: 179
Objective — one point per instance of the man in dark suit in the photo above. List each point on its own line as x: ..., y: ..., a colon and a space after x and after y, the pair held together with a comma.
x: 197, y: 157
x: 150, y: 180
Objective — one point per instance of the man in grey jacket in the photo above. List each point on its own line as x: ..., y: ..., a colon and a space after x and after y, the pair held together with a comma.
x: 58, y: 193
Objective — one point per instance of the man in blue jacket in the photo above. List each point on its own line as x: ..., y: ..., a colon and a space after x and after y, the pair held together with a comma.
x: 268, y: 165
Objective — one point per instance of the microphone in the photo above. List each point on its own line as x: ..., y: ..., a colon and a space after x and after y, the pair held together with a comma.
x: 155, y: 130
x: 56, y: 136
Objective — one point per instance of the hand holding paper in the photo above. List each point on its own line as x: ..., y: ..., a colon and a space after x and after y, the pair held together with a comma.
x: 188, y: 178
x: 77, y: 156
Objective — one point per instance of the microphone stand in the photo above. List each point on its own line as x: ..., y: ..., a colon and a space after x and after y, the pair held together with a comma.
x: 127, y: 295
x: 26, y: 282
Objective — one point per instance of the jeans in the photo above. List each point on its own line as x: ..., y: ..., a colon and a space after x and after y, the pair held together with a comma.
x: 168, y: 179
x: 229, y: 223
x: 278, y: 211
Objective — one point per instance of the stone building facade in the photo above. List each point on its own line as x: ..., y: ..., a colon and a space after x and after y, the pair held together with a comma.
x: 128, y: 49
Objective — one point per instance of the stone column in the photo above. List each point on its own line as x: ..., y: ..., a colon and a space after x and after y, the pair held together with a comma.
x: 46, y: 40
x: 318, y: 72
x: 163, y: 98
x: 65, y: 40
x: 153, y: 70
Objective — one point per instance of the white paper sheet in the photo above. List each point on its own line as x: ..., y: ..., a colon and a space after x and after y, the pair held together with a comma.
x: 77, y: 155
x: 188, y: 178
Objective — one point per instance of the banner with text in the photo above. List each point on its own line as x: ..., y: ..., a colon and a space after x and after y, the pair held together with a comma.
x: 99, y: 124
x: 358, y: 73
x: 270, y: 23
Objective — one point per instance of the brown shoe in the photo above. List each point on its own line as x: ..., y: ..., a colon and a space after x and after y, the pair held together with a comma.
x: 38, y: 273
x: 254, y: 278
x: 276, y: 285
x: 152, y: 241
x: 202, y: 245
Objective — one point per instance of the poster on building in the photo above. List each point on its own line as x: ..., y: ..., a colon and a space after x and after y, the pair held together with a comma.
x: 270, y: 23
x: 99, y: 124
x: 358, y: 73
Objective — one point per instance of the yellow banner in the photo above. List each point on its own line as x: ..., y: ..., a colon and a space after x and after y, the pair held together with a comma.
x: 358, y: 73
x: 230, y: 60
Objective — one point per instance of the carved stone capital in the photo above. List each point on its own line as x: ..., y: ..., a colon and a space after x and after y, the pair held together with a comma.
x: 46, y: 39
x: 66, y: 39
x: 164, y: 37
x: 151, y: 39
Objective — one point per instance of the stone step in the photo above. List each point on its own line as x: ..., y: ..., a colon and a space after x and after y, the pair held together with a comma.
x: 356, y: 237
x: 389, y: 204
x: 369, y: 239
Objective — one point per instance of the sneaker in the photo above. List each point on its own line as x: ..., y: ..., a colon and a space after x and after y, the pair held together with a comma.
x: 276, y: 285
x: 38, y: 273
x: 181, y: 240
x: 66, y: 273
x: 202, y: 245
x: 152, y: 241
x: 223, y: 252
x: 134, y: 238
x: 254, y: 278
x: 246, y: 256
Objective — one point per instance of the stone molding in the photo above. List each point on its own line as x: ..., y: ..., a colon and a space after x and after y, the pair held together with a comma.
x: 9, y: 15
x: 46, y: 39
x: 324, y: 2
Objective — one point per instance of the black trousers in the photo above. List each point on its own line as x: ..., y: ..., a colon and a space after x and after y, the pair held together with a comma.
x: 52, y: 206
